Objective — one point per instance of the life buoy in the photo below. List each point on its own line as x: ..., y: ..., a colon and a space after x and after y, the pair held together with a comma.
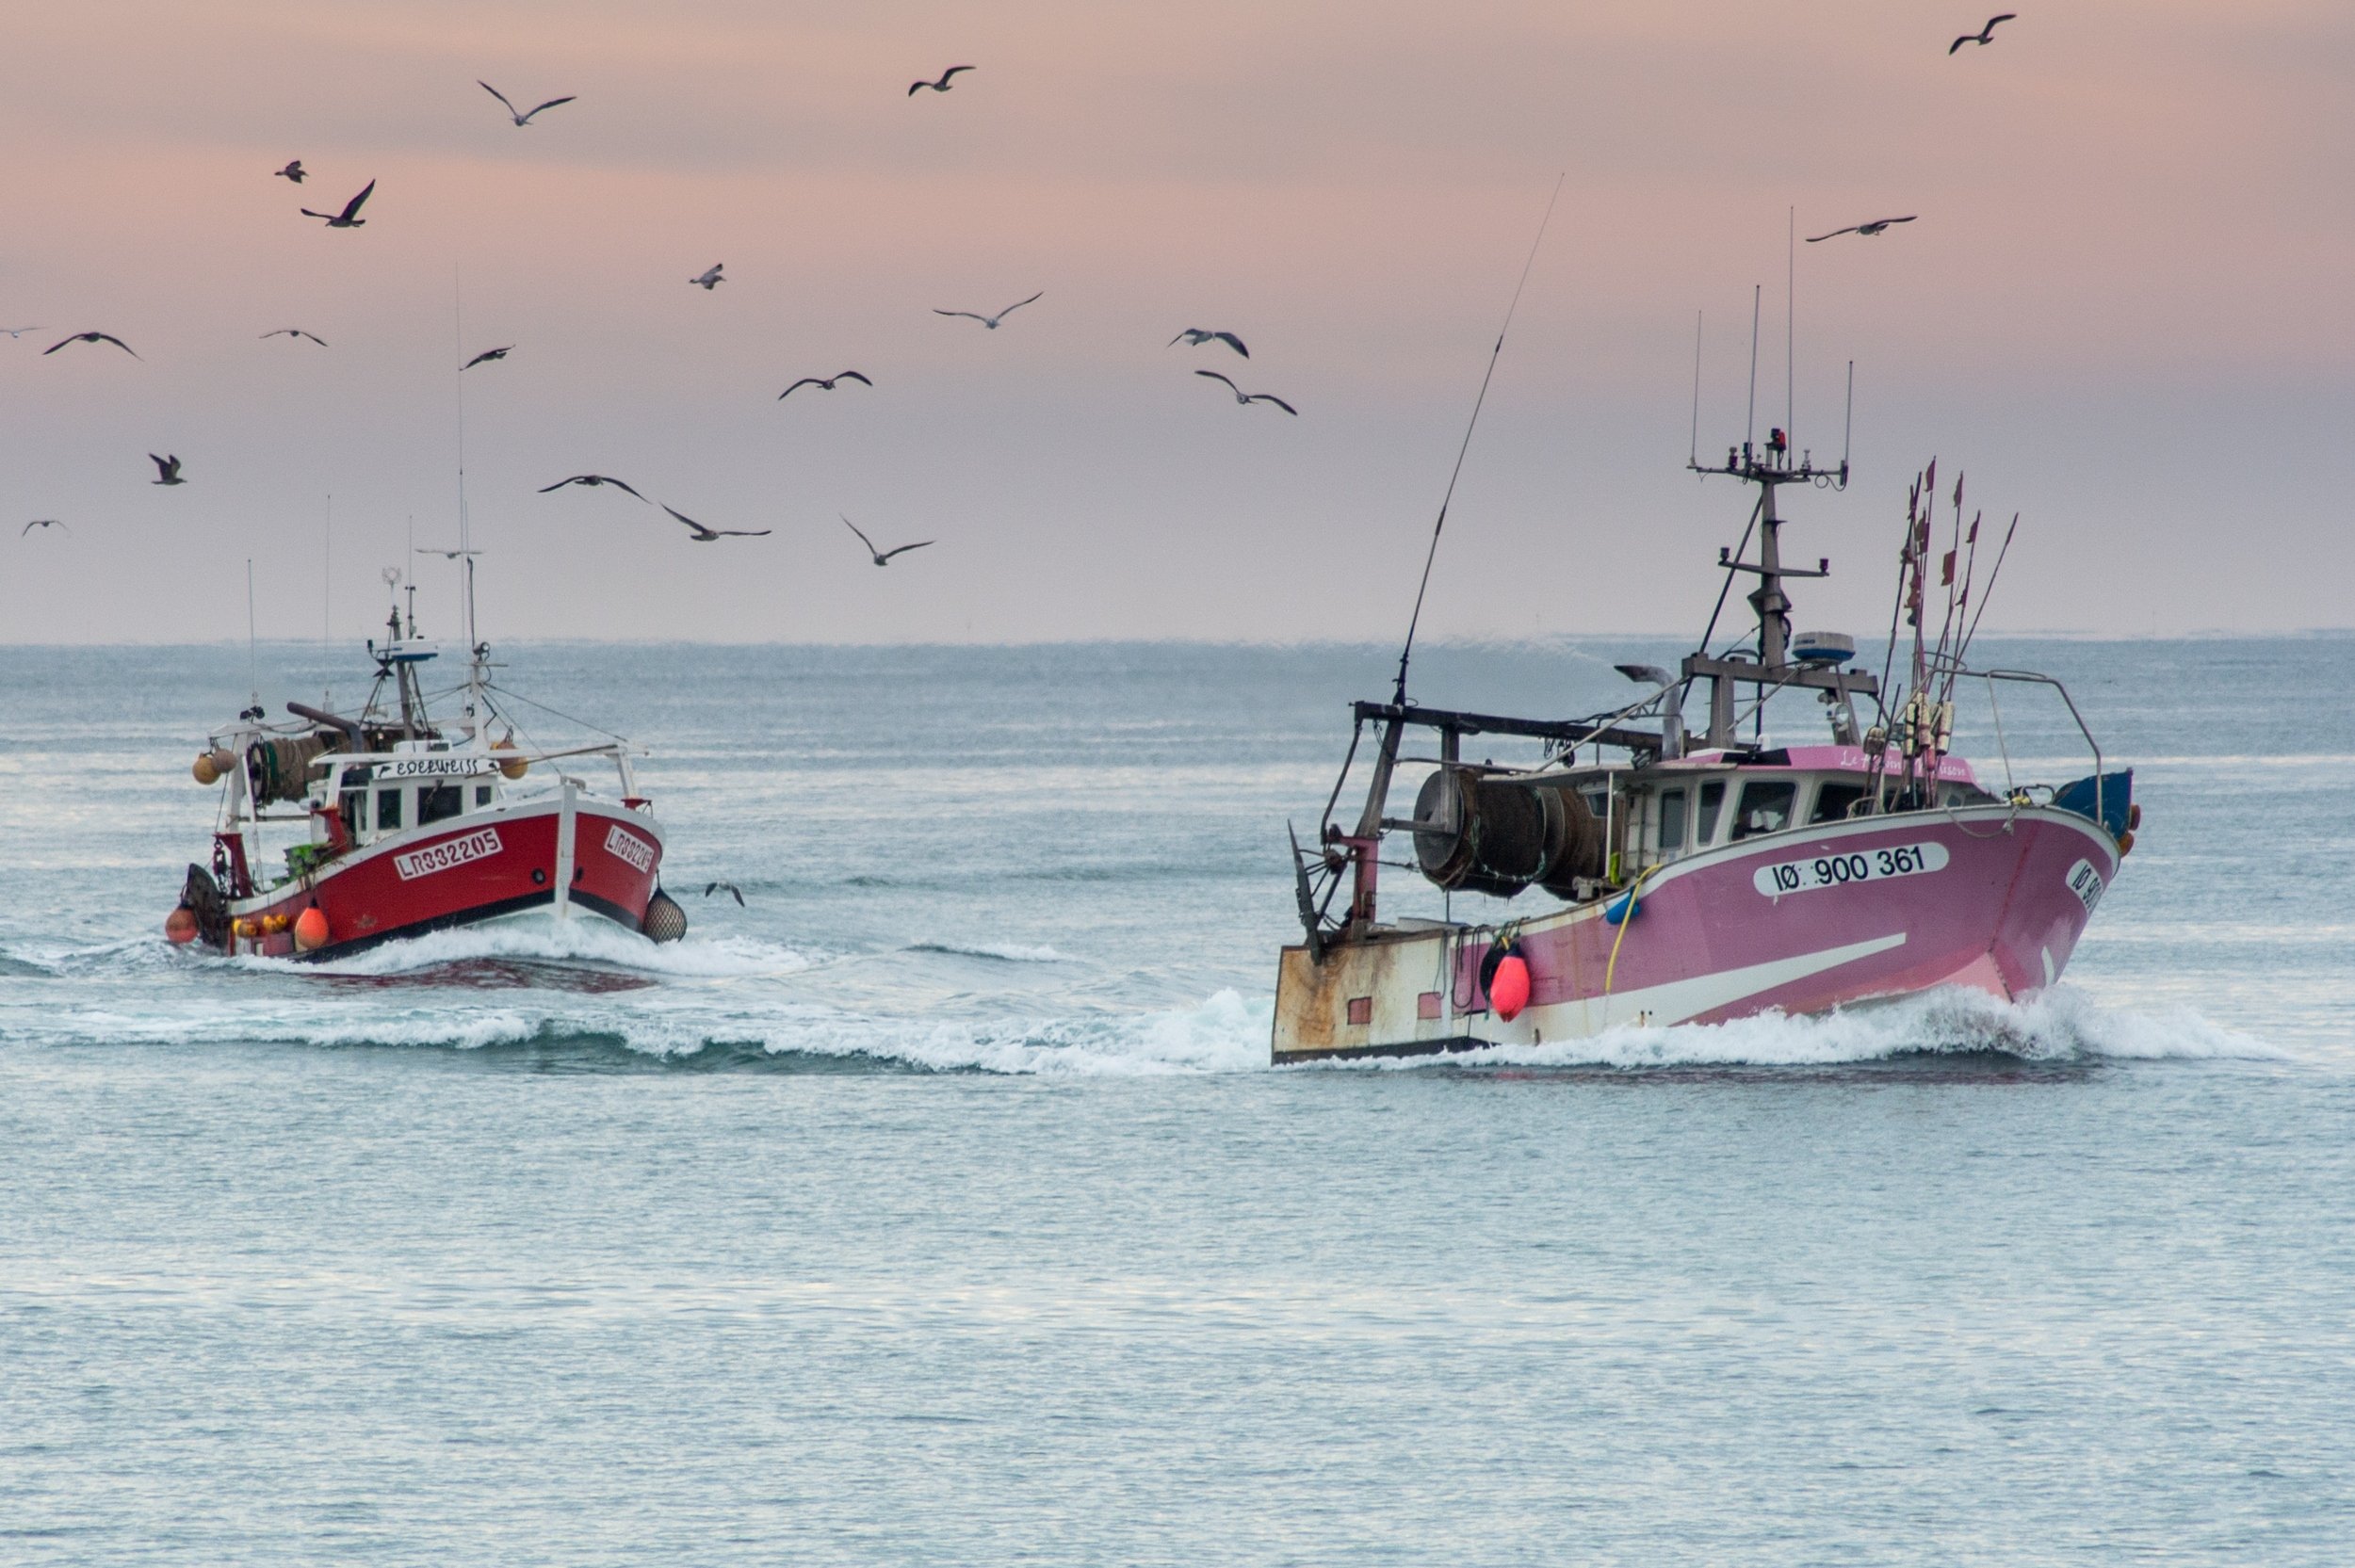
x: 1504, y: 979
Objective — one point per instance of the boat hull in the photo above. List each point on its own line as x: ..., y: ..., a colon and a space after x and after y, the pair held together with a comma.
x: 470, y: 868
x: 1991, y: 898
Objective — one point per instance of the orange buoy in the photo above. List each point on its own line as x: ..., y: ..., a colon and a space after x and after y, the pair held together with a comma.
x: 2126, y: 844
x: 1508, y: 992
x: 210, y: 766
x: 310, y: 929
x: 273, y: 924
x: 180, y: 926
x: 512, y: 768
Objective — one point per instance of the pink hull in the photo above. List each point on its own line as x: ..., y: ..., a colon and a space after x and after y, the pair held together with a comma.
x: 1988, y: 898
x: 473, y: 867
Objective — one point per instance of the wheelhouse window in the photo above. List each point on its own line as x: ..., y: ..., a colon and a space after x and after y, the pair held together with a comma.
x: 1832, y: 802
x: 482, y: 795
x: 438, y: 801
x: 1766, y: 807
x: 388, y: 810
x: 1671, y: 823
x: 1713, y: 801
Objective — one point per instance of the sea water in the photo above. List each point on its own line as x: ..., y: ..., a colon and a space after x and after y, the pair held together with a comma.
x: 938, y: 1204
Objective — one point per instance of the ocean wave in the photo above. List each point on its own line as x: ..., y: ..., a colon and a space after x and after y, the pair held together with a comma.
x: 1006, y: 952
x: 548, y: 939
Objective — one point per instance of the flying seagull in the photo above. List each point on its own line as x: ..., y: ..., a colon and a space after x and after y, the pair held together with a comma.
x: 1195, y: 337
x: 710, y: 888
x: 42, y: 522
x: 882, y: 558
x: 521, y: 118
x: 991, y: 321
x: 297, y: 332
x: 294, y: 171
x: 710, y: 280
x: 590, y: 479
x: 1242, y: 396
x: 350, y: 218
x: 824, y: 383
x: 705, y: 536
x: 1984, y: 36
x: 488, y: 354
x: 1873, y: 228
x: 19, y: 331
x: 942, y: 84
x: 90, y: 337
x: 169, y: 468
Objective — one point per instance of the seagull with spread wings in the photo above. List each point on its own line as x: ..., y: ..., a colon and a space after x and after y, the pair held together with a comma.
x: 487, y: 355
x: 1249, y: 397
x: 710, y: 888
x: 1195, y: 337
x: 167, y: 468
x: 90, y: 337
x: 350, y: 218
x: 522, y: 119
x: 824, y: 383
x: 705, y: 536
x: 42, y: 522
x: 297, y: 332
x: 882, y: 558
x: 592, y: 480
x: 294, y: 171
x: 711, y: 279
x: 991, y: 321
x: 19, y: 331
x: 942, y: 84
x: 1876, y: 226
x: 1984, y: 35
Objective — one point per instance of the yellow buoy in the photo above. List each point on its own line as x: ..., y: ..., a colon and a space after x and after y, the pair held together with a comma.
x: 514, y: 768
x: 211, y: 765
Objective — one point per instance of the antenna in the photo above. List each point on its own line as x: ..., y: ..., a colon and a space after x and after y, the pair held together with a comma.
x: 252, y: 655
x: 1693, y: 457
x: 1790, y: 327
x: 327, y: 590
x: 1749, y: 423
x: 458, y: 326
x: 1406, y: 651
x: 1847, y: 425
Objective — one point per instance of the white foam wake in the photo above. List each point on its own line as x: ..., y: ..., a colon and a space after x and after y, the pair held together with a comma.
x: 546, y: 938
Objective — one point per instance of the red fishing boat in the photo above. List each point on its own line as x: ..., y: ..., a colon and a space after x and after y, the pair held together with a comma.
x: 398, y: 822
x: 1701, y: 879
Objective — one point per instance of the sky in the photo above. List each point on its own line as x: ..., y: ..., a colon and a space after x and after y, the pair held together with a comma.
x: 2122, y: 312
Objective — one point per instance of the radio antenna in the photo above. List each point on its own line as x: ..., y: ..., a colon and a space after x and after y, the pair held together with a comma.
x: 1406, y: 651
x: 252, y: 654
x: 1790, y: 325
x: 1749, y: 423
x: 1693, y: 458
x: 1847, y: 425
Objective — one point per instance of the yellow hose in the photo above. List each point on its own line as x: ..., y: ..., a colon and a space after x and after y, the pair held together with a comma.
x: 1612, y: 969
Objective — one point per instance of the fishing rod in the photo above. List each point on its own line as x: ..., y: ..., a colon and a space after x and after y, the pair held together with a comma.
x: 1406, y: 651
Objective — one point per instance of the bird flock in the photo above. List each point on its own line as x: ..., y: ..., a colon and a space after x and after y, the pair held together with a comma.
x: 168, y: 466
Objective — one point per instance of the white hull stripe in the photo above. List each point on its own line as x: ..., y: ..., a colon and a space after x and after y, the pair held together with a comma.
x: 1674, y: 1001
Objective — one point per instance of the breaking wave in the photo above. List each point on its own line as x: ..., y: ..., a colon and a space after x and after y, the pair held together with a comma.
x: 552, y: 941
x: 1005, y: 952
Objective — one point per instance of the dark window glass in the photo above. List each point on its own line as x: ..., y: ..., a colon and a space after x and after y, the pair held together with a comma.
x: 1833, y: 800
x: 1765, y: 807
x: 437, y: 801
x: 482, y: 795
x: 388, y: 809
x: 1672, y: 822
x: 1713, y: 801
x: 352, y: 801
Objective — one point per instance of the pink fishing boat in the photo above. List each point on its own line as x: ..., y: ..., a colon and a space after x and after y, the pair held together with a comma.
x: 1695, y: 878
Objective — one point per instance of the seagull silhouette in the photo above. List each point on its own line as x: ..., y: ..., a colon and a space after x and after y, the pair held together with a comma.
x: 1984, y: 35
x: 488, y: 354
x: 705, y: 536
x: 710, y: 888
x: 42, y: 522
x: 294, y: 171
x: 882, y: 558
x: 19, y: 331
x: 1242, y: 396
x: 942, y: 84
x: 350, y: 218
x: 590, y: 479
x: 521, y: 118
x: 1873, y: 228
x: 1195, y: 337
x: 90, y: 337
x: 824, y: 383
x: 297, y: 332
x: 169, y: 468
x: 991, y: 321
x: 710, y: 280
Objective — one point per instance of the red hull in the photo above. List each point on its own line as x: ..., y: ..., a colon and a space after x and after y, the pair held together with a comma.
x: 470, y: 868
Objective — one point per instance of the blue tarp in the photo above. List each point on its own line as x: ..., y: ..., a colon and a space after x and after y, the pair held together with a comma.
x: 2117, y: 794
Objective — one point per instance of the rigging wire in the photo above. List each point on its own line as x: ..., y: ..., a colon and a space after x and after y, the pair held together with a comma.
x: 1406, y: 651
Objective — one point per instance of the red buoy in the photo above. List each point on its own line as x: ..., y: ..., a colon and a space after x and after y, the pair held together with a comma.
x: 1509, y: 992
x: 180, y: 926
x: 310, y: 929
